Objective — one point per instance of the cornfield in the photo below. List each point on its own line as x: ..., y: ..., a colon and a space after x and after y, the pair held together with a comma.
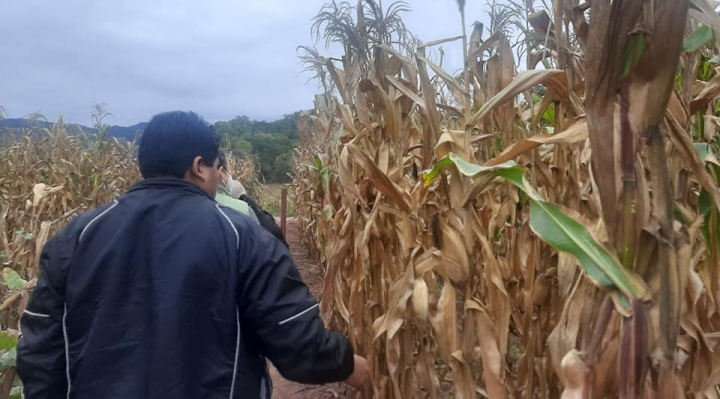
x: 46, y: 178
x: 243, y: 169
x: 550, y: 232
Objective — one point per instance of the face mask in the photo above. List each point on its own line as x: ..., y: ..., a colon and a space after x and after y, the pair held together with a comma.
x: 234, y: 187
x: 230, y: 180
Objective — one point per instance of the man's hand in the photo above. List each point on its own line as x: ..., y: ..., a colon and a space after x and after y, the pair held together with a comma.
x: 360, y: 378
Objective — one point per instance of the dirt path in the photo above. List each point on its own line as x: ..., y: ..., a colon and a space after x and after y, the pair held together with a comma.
x: 282, y: 388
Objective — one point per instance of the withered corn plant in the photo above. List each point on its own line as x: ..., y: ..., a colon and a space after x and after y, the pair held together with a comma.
x: 550, y: 233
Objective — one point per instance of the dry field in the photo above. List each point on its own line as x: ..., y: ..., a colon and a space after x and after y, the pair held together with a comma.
x: 545, y: 230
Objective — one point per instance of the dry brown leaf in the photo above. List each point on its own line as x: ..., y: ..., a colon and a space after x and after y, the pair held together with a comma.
x: 709, y: 92
x: 577, y: 132
x: 381, y: 181
x: 399, y: 293
x: 491, y: 360
x: 521, y: 83
x: 444, y: 321
x: 40, y: 191
x: 454, y: 262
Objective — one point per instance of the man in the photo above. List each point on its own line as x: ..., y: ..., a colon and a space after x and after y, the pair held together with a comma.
x: 235, y: 189
x: 165, y: 294
x: 227, y: 185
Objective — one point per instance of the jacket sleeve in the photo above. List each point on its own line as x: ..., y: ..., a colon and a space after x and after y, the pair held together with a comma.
x: 41, y: 362
x: 284, y: 317
x: 266, y: 219
x: 252, y: 214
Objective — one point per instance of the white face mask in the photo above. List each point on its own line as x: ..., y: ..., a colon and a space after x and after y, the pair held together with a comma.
x: 230, y: 180
x: 234, y: 187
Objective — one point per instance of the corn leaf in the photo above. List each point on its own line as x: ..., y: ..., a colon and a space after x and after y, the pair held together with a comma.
x: 7, y: 340
x: 466, y: 168
x: 635, y: 49
x: 568, y: 235
x: 521, y: 83
x: 8, y: 359
x: 13, y: 279
x: 699, y: 38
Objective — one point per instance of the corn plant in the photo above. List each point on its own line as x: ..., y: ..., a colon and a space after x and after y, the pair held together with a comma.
x: 543, y: 233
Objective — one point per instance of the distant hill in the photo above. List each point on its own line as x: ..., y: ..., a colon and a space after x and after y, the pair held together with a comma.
x: 272, y: 143
x: 13, y: 125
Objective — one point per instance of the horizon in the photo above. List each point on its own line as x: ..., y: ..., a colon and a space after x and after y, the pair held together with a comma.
x: 89, y: 125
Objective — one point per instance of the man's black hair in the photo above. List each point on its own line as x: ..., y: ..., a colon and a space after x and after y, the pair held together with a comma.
x: 172, y: 140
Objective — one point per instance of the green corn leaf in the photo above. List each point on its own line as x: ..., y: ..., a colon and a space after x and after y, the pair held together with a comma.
x: 707, y: 67
x: 635, y: 49
x: 702, y: 36
x: 707, y: 209
x: 560, y: 231
x: 472, y: 170
x: 431, y: 175
x: 7, y: 341
x: 705, y: 202
x: 681, y: 216
x: 325, y: 173
x: 705, y: 152
x: 568, y: 235
x: 8, y: 359
x: 464, y: 167
x: 13, y: 279
x: 549, y: 115
x: 516, y: 176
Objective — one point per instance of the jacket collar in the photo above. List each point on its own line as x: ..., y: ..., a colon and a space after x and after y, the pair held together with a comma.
x: 171, y: 183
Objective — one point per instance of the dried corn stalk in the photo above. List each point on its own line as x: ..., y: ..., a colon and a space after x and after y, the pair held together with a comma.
x: 558, y: 237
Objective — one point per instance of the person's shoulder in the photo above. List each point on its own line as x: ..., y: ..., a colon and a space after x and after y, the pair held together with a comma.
x: 233, y: 215
x: 80, y: 222
x: 240, y: 222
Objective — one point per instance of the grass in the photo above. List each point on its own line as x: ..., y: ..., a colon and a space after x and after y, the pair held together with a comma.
x: 269, y: 198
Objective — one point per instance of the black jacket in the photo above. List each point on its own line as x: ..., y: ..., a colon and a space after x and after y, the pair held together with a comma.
x: 167, y: 294
x: 265, y: 218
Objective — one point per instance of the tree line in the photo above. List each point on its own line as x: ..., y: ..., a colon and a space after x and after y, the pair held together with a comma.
x: 272, y: 143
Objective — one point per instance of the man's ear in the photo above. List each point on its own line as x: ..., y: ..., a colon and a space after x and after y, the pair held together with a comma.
x: 195, y: 170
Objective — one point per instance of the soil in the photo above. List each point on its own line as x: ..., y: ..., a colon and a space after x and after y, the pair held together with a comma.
x: 310, y: 272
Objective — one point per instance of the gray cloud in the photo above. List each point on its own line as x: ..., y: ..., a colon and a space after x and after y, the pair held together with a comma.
x: 221, y: 58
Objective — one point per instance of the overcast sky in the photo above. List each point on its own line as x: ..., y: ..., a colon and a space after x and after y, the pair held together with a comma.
x: 221, y: 58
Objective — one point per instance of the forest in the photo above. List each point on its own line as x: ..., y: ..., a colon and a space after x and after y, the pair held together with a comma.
x: 271, y: 143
